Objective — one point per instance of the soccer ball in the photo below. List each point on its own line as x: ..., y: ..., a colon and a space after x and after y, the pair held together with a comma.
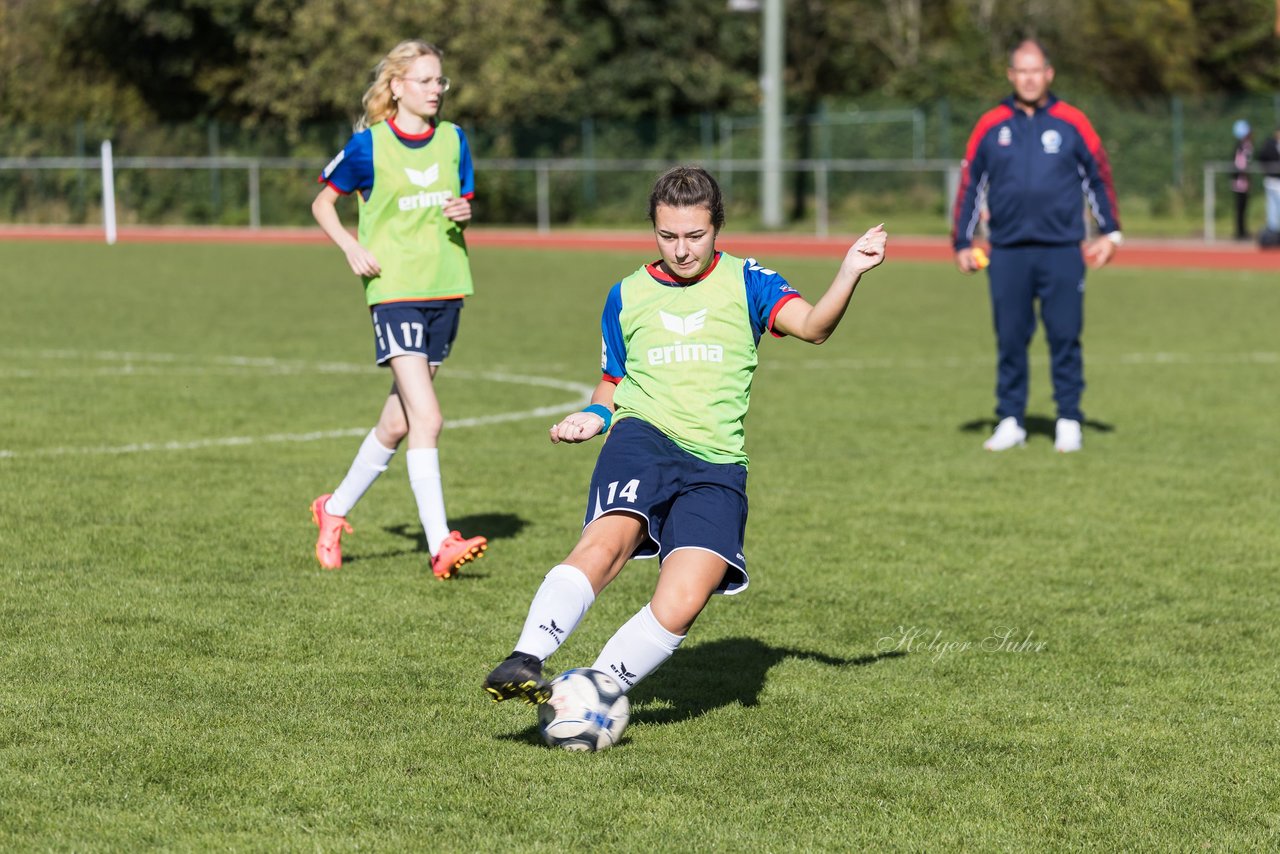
x: 587, y: 711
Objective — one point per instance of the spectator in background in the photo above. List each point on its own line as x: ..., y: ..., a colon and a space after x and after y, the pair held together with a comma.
x: 1269, y: 160
x: 1240, y: 180
x: 1035, y: 158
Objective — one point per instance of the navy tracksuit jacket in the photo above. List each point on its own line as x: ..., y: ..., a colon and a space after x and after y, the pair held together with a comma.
x: 1035, y: 173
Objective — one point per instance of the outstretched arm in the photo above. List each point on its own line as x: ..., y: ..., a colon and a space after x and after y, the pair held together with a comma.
x: 815, y: 323
x: 581, y: 426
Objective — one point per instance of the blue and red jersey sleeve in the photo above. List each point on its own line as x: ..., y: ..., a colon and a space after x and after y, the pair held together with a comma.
x: 613, y: 347
x: 1096, y: 167
x: 767, y: 292
x: 466, y: 172
x: 973, y: 178
x: 352, y: 169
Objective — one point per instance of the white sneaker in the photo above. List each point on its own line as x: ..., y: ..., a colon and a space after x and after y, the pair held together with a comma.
x: 1067, y: 437
x: 1007, y: 435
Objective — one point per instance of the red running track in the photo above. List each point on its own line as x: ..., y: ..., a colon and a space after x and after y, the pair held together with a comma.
x: 1165, y: 254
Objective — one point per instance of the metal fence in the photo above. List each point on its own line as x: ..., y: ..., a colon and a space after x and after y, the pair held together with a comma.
x: 819, y: 172
x: 942, y: 174
x: 843, y: 164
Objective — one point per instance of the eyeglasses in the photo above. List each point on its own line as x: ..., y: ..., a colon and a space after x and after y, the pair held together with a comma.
x: 442, y: 82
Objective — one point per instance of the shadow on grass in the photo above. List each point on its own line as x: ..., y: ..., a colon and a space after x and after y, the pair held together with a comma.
x: 493, y: 526
x: 723, y: 673
x: 706, y: 677
x: 1036, y: 425
x: 530, y: 734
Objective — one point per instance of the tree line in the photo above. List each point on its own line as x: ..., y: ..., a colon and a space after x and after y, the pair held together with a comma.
x: 295, y: 62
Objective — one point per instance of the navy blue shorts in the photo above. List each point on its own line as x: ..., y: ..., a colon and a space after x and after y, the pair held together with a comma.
x: 686, y: 502
x: 415, y: 328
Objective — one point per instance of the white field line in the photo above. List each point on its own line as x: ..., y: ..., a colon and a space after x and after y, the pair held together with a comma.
x: 266, y: 366
x: 168, y: 364
x: 149, y: 364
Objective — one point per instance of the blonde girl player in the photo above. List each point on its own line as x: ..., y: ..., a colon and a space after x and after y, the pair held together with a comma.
x: 412, y: 173
x: 680, y: 349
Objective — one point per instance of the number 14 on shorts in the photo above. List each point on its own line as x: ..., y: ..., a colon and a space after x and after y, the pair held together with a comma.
x: 628, y: 492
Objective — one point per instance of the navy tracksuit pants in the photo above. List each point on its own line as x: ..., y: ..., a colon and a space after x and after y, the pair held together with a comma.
x: 1053, y: 276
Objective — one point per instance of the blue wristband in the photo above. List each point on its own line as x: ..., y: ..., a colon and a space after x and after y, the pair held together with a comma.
x: 603, y: 411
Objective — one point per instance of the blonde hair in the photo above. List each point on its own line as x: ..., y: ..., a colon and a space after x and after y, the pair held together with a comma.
x: 379, y: 103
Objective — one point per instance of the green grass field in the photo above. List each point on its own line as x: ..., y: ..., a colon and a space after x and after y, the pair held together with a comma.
x: 176, y: 672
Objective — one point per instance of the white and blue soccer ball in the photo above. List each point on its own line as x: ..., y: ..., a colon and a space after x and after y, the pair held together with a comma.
x: 587, y: 711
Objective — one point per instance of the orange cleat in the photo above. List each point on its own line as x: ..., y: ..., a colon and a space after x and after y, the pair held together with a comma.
x: 329, y: 543
x: 454, y: 552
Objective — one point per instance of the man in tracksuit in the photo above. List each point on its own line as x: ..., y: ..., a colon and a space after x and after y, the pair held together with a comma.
x: 1035, y: 159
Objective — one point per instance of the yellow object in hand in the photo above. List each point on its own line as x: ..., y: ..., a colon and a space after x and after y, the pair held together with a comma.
x: 980, y: 258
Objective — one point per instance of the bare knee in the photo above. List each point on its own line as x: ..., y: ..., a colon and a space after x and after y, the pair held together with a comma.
x: 391, y: 429
x: 599, y: 561
x: 425, y: 426
x: 432, y: 422
x: 605, y: 547
x: 685, y: 586
x: 676, y: 610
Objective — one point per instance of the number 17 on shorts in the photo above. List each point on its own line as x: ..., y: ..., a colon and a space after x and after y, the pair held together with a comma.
x: 422, y: 330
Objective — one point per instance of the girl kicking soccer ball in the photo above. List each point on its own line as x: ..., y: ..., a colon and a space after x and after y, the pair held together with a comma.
x: 680, y: 345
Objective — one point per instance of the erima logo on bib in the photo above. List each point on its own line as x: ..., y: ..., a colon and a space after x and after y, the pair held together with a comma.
x: 424, y: 178
x: 684, y: 325
x: 680, y: 351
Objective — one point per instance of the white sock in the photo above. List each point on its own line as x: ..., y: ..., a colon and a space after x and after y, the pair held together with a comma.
x: 371, y: 460
x: 428, y: 489
x: 637, y: 649
x: 556, y: 610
